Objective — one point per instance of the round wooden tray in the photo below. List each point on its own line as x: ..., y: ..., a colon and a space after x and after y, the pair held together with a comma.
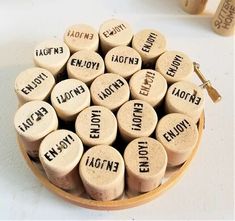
x: 171, y: 177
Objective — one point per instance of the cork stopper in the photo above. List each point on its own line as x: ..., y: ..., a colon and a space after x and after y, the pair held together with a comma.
x: 149, y: 43
x: 102, y: 173
x: 96, y: 125
x: 193, y: 6
x: 223, y: 21
x: 52, y: 55
x: 33, y: 121
x: 146, y: 160
x: 110, y: 90
x: 178, y: 134
x: 136, y: 118
x: 69, y: 97
x: 85, y: 66
x: 175, y: 66
x: 34, y: 84
x: 186, y: 98
x: 123, y: 60
x: 114, y: 33
x: 60, y: 153
x: 148, y: 85
x: 81, y: 37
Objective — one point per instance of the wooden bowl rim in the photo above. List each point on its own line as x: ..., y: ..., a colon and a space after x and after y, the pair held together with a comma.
x: 120, y: 203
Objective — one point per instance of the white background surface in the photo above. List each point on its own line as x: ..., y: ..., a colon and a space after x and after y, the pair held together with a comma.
x: 205, y: 191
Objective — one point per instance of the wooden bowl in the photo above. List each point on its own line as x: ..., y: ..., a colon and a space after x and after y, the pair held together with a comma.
x: 171, y: 177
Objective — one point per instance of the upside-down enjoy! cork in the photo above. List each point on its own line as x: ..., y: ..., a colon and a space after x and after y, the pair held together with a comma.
x: 81, y: 37
x: 69, y: 97
x: 52, y: 55
x: 33, y: 121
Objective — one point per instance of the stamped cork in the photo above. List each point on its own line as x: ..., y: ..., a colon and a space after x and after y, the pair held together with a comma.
x: 149, y: 43
x: 193, y: 6
x: 85, y: 66
x: 186, y: 98
x: 136, y: 118
x: 102, y: 172
x: 81, y: 37
x: 34, y: 84
x: 146, y: 160
x: 223, y: 21
x: 110, y: 90
x: 52, y: 55
x: 33, y: 121
x: 69, y: 97
x: 60, y: 153
x: 96, y: 125
x: 123, y: 60
x: 174, y: 66
x: 178, y: 134
x: 114, y: 33
x: 148, y: 85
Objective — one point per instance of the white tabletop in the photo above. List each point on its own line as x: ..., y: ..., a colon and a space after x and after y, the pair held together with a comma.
x: 205, y: 191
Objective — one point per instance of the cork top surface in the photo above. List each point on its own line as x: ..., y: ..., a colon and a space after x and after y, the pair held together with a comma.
x: 60, y: 151
x: 175, y: 66
x: 177, y: 132
x: 96, y: 125
x: 34, y: 84
x: 81, y: 37
x: 136, y: 118
x: 110, y: 90
x: 149, y: 43
x: 51, y: 54
x: 145, y: 157
x: 85, y: 65
x: 148, y: 85
x: 69, y: 97
x: 115, y: 32
x: 101, y: 166
x: 35, y: 119
x: 123, y: 60
x: 185, y: 97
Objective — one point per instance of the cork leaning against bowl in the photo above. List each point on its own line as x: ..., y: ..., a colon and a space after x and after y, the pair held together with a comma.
x: 131, y: 109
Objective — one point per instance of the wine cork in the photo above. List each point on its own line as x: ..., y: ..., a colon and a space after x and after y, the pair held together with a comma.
x: 102, y: 172
x: 114, y: 33
x: 33, y: 121
x: 52, y: 55
x: 81, y: 37
x: 148, y: 85
x: 60, y: 153
x: 69, y: 97
x: 96, y: 125
x: 110, y: 90
x: 174, y: 66
x: 34, y: 84
x: 136, y: 118
x: 178, y: 134
x: 186, y: 98
x: 223, y: 21
x: 149, y: 43
x: 146, y: 160
x: 85, y: 66
x: 193, y: 6
x: 123, y: 60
